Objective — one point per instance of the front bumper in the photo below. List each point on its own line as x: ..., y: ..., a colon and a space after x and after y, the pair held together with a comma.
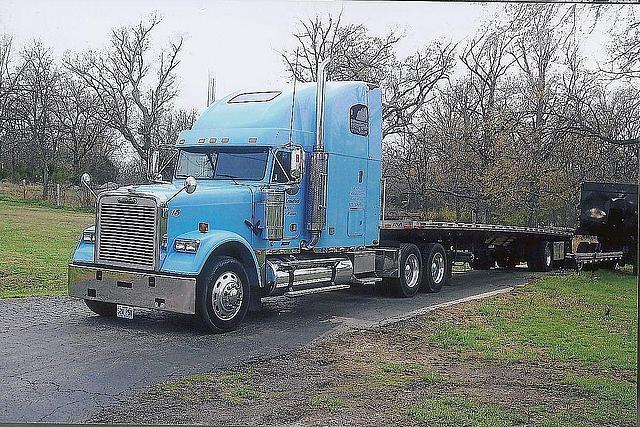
x: 147, y: 290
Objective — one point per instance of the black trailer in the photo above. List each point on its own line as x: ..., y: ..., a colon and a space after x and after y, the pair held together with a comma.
x: 608, y: 224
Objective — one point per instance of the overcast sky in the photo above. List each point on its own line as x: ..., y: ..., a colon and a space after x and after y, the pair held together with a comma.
x: 238, y: 41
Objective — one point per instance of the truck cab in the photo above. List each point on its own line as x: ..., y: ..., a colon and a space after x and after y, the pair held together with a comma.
x: 286, y: 201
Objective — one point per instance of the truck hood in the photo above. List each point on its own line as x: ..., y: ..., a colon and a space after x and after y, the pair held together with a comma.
x: 208, y: 193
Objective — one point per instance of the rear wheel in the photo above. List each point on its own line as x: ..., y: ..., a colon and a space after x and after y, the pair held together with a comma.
x: 223, y: 295
x: 540, y: 257
x: 410, y: 267
x: 101, y: 308
x: 437, y: 269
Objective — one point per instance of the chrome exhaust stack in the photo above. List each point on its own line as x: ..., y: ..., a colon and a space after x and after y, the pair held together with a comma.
x: 317, y: 193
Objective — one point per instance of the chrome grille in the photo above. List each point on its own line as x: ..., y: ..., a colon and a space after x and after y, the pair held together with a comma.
x: 126, y: 232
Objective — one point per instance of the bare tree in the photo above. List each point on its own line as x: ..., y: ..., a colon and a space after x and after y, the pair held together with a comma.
x: 80, y: 119
x: 9, y: 77
x: 133, y: 93
x: 40, y: 84
x: 357, y: 55
x: 625, y: 46
x: 167, y: 134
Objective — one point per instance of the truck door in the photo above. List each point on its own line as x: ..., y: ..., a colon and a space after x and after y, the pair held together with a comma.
x: 293, y: 206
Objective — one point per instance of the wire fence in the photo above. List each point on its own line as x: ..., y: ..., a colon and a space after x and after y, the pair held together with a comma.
x: 62, y: 195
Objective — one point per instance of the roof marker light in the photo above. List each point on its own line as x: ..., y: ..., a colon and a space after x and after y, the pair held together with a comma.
x: 201, y: 141
x: 253, y: 140
x: 225, y: 140
x: 213, y: 140
x: 181, y: 141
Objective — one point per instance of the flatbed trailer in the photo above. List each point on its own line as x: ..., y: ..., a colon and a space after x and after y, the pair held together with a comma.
x: 484, y: 245
x: 284, y: 206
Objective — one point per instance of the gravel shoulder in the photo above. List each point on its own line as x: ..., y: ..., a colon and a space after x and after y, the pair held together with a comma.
x: 61, y: 363
x: 478, y: 363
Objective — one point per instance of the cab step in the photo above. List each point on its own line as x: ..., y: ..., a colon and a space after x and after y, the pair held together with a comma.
x: 366, y: 281
x: 302, y: 292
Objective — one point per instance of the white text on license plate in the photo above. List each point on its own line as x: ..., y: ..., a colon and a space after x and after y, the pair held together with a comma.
x: 124, y: 311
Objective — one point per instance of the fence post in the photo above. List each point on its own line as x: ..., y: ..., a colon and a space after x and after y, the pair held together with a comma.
x: 24, y: 188
x: 58, y: 194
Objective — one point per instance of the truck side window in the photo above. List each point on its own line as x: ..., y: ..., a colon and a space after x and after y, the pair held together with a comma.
x: 359, y: 120
x: 281, y: 167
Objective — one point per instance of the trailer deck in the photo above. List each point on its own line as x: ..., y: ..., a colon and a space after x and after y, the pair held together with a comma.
x: 459, y: 226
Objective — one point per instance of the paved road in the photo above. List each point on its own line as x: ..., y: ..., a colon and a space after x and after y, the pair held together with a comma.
x: 61, y: 363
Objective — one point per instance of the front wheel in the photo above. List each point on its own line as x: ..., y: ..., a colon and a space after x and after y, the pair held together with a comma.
x: 223, y: 295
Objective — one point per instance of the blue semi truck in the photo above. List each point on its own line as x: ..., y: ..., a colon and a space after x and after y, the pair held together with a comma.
x: 277, y: 192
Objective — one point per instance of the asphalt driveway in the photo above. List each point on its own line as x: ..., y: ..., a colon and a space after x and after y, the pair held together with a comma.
x: 61, y: 363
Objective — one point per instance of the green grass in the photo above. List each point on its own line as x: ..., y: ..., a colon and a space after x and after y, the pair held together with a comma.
x: 328, y: 403
x: 600, y: 401
x: 603, y: 388
x: 235, y: 388
x: 36, y: 244
x: 395, y: 374
x: 459, y: 412
x: 591, y: 319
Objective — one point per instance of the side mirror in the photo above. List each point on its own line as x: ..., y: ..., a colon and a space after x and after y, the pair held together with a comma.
x: 190, y: 185
x: 86, y: 181
x: 297, y: 163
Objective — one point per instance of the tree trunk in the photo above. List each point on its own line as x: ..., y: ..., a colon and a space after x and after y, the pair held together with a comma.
x: 45, y: 182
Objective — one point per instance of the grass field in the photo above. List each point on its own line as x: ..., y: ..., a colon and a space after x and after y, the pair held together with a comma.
x: 561, y: 351
x: 36, y: 243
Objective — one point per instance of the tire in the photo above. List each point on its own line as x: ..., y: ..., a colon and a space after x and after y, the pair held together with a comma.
x: 408, y: 284
x: 105, y: 309
x: 540, y: 257
x: 223, y: 295
x: 436, y: 268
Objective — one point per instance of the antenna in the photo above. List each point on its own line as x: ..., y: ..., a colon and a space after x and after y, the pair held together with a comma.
x: 211, y: 89
x: 293, y: 99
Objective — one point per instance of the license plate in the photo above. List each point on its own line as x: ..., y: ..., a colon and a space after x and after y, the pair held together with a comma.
x: 124, y: 311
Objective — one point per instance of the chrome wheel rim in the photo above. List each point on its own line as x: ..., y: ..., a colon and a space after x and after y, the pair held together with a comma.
x: 411, y: 270
x: 437, y: 268
x: 227, y: 295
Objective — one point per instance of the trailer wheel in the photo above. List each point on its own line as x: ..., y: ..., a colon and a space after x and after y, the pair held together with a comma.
x: 223, y: 295
x: 105, y: 309
x: 408, y: 284
x: 437, y: 268
x: 540, y: 257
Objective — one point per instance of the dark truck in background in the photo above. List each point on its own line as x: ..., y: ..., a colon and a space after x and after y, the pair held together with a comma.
x: 607, y: 231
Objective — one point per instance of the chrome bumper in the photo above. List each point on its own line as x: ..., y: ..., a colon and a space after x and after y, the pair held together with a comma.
x: 148, y: 290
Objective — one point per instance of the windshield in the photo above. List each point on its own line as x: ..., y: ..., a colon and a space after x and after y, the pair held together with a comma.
x: 229, y: 163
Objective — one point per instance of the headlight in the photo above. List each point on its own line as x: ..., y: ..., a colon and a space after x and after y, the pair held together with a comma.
x: 89, y: 236
x: 183, y: 245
